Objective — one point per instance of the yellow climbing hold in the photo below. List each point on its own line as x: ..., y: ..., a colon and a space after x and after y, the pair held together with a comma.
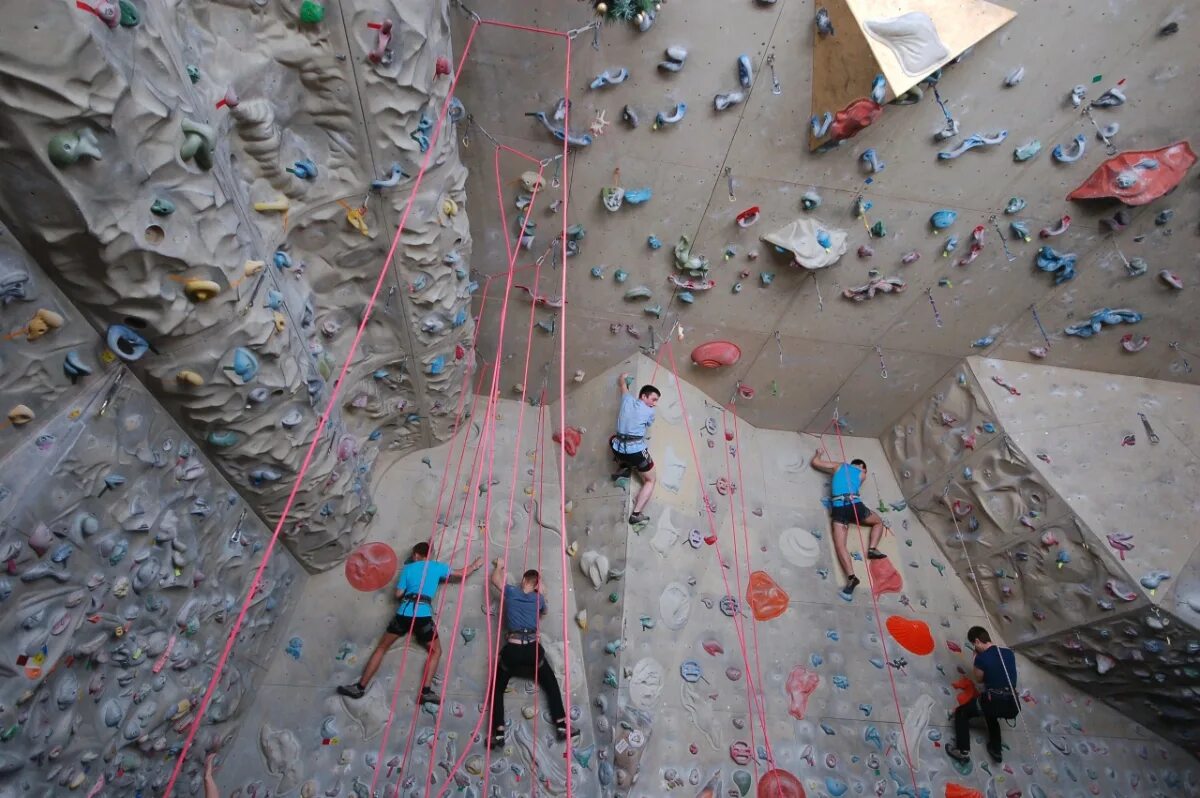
x: 280, y: 321
x: 280, y: 205
x: 449, y: 210
x: 581, y: 619
x: 189, y: 377
x: 532, y: 181
x: 253, y: 267
x: 20, y: 415
x: 201, y: 290
x: 357, y: 220
x: 573, y: 549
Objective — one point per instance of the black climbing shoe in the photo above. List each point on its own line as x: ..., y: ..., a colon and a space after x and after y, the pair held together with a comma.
x: 560, y: 731
x: 848, y: 590
x: 428, y: 697
x: 638, y: 518
x: 354, y: 690
x: 997, y: 755
x: 962, y: 757
x: 875, y: 554
x: 496, y: 740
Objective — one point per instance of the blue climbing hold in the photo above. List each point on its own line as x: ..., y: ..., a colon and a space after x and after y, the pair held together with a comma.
x: 871, y: 735
x: 1101, y: 317
x: 125, y: 343
x: 282, y: 260
x: 437, y: 366
x: 942, y: 219
x: 636, y: 196
x: 653, y: 242
x: 836, y: 787
x: 816, y: 660
x: 294, y: 647
x: 245, y: 364
x: 1062, y: 266
x: 841, y: 682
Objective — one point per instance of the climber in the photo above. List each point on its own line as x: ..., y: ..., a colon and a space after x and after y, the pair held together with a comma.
x: 523, y: 656
x: 629, y: 444
x: 996, y: 670
x: 418, y: 583
x: 210, y: 782
x: 846, y: 508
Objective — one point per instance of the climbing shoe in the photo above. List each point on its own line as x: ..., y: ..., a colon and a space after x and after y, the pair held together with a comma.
x: 638, y: 518
x: 875, y: 554
x: 996, y: 754
x: 624, y: 473
x: 354, y: 690
x: 495, y: 740
x: 958, y: 755
x: 847, y: 592
x: 428, y: 697
x: 560, y: 731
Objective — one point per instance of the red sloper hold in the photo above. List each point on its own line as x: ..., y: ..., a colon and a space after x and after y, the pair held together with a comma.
x: 766, y: 598
x: 884, y: 577
x: 1144, y: 184
x: 371, y: 567
x: 780, y: 784
x: 570, y: 441
x: 854, y: 118
x: 715, y: 354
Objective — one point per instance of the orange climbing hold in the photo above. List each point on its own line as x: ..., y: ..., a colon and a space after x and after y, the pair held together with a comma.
x: 371, y: 567
x: 780, y: 784
x: 912, y: 634
x: 766, y: 598
x: 571, y: 440
x: 884, y: 577
x: 958, y: 791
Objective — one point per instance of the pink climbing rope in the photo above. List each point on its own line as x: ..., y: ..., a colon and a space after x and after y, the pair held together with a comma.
x: 757, y: 705
x: 256, y: 583
x: 878, y: 621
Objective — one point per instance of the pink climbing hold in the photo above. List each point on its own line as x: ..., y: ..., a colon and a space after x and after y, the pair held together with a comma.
x: 571, y: 439
x: 1057, y: 229
x: 713, y: 648
x: 884, y: 577
x: 715, y: 354
x: 1133, y: 346
x: 777, y: 783
x: 371, y: 567
x: 441, y: 66
x: 801, y: 683
x: 976, y: 246
x: 741, y: 753
x: 854, y: 118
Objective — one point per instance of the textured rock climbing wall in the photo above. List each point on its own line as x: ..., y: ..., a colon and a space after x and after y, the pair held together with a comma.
x: 327, y: 744
x: 822, y: 666
x: 1068, y: 517
x: 826, y: 351
x: 127, y: 559
x: 221, y: 232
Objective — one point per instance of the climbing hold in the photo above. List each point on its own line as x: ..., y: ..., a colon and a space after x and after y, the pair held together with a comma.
x: 1152, y: 580
x: 393, y: 179
x: 1062, y: 266
x: 1020, y: 230
x: 1130, y: 345
x: 823, y: 23
x: 245, y: 364
x: 882, y: 285
x: 1073, y: 152
x: 125, y: 343
x: 871, y: 158
x: 1014, y: 77
x: 727, y: 100
x: 189, y: 377
x: 311, y: 12
x: 1101, y: 317
x: 303, y: 169
x: 1015, y: 205
x: 676, y: 56
x: 1171, y: 278
x: 74, y: 367
x: 745, y: 71
x: 1027, y: 150
x: 777, y: 783
x: 67, y: 148
x: 715, y: 354
x: 810, y: 200
x: 201, y: 290
x: 162, y: 207
x: 610, y: 77
x: 1138, y: 177
x: 21, y: 415
x: 973, y: 142
x: 800, y: 685
x: 940, y: 220
x: 1109, y: 99
x: 766, y: 598
x: 674, y: 117
x: 912, y: 634
x: 1056, y: 230
x: 371, y: 566
x: 198, y: 143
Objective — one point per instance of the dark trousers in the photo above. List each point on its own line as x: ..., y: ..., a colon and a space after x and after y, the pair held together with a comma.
x: 524, y: 661
x: 991, y: 710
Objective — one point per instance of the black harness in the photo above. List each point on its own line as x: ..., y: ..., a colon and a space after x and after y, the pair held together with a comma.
x: 416, y: 598
x: 525, y: 636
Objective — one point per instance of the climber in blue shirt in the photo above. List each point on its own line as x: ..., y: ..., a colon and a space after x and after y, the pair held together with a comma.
x: 846, y: 508
x: 629, y: 445
x: 995, y: 669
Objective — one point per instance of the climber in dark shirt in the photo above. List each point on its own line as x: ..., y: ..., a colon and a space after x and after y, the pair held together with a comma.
x: 996, y: 670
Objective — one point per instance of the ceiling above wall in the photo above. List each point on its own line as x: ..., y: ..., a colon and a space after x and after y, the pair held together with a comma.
x: 806, y: 349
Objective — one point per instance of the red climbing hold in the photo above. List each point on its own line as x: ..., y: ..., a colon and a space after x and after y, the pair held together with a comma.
x: 884, y: 577
x: 854, y: 118
x: 912, y: 634
x: 801, y: 683
x: 958, y: 791
x: 1139, y: 176
x: 955, y: 647
x: 441, y: 66
x: 713, y: 647
x: 766, y: 598
x: 570, y: 441
x: 371, y: 567
x: 780, y: 784
x: 715, y: 354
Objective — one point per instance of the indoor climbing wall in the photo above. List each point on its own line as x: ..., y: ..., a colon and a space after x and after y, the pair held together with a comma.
x: 127, y: 558
x: 216, y: 192
x: 331, y: 745
x: 890, y: 293
x: 844, y: 695
x: 1062, y: 494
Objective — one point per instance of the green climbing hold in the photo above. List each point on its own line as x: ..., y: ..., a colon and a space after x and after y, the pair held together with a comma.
x: 130, y: 18
x: 162, y: 207
x: 613, y: 598
x: 741, y: 780
x: 193, y: 73
x: 311, y: 12
x: 879, y: 229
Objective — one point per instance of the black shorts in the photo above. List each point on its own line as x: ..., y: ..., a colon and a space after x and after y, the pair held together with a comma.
x: 423, y: 629
x: 845, y: 513
x: 639, y: 460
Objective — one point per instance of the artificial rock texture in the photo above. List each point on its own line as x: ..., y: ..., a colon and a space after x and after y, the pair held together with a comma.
x: 826, y: 354
x: 1072, y: 522
x: 128, y: 557
x: 261, y: 346
x: 329, y: 745
x: 678, y: 674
